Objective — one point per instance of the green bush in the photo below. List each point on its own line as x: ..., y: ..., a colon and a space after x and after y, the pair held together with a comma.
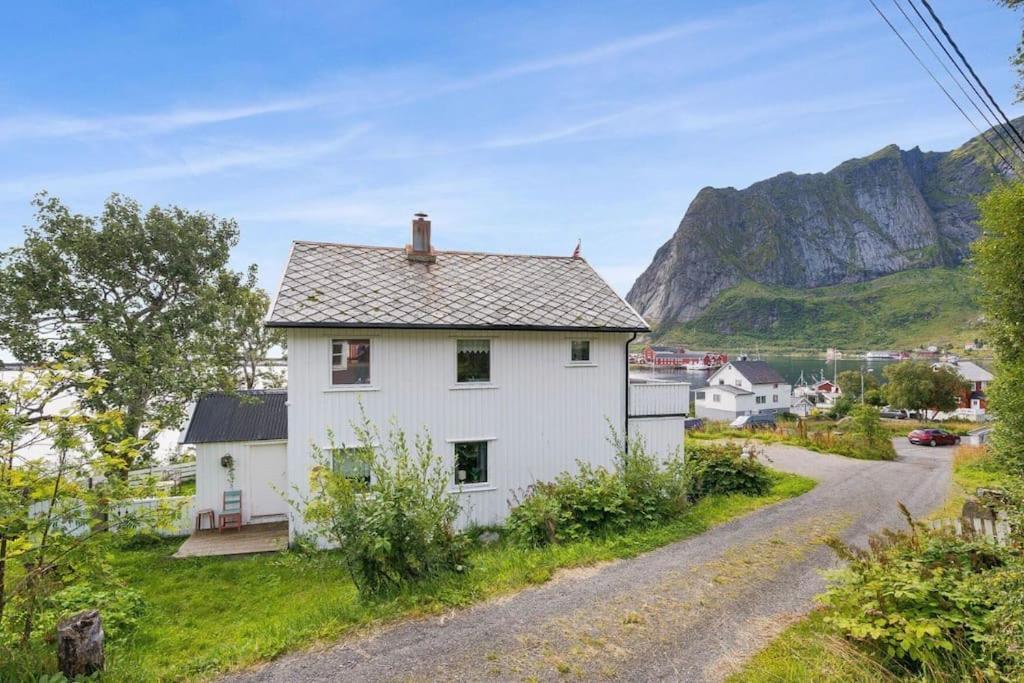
x: 865, y: 437
x: 638, y: 491
x: 841, y: 408
x: 395, y: 526
x: 714, y: 468
x: 933, y: 603
x: 120, y: 608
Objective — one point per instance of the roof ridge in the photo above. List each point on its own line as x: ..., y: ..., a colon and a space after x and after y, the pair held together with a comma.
x: 459, y: 252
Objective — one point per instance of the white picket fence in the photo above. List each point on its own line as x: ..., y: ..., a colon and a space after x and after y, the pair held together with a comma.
x: 996, y: 530
x: 182, y: 509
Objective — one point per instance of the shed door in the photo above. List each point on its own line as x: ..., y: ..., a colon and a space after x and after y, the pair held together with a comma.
x: 268, y: 481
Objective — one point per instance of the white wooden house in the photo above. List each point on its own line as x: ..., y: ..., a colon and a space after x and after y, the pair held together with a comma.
x: 744, y: 387
x: 514, y: 365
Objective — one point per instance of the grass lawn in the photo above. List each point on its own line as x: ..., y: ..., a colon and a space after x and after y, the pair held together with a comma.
x: 209, y: 615
x: 807, y: 651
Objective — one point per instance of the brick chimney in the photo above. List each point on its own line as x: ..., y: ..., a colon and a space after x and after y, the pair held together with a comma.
x: 420, y: 249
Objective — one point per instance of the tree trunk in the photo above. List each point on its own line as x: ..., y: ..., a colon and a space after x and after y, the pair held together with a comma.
x: 80, y: 644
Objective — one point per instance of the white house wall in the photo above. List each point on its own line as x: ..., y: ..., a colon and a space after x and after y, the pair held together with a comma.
x: 662, y: 436
x: 257, y: 496
x: 539, y: 414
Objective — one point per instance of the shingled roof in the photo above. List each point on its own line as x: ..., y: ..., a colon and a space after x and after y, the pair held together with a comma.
x: 257, y: 415
x: 758, y: 372
x: 340, y: 285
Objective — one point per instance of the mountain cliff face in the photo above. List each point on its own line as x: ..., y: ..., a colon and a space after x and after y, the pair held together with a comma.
x: 892, y: 211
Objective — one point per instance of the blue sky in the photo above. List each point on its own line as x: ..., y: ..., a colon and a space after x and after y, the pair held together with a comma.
x: 518, y: 126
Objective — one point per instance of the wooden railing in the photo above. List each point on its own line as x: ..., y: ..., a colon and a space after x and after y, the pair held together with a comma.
x: 651, y: 399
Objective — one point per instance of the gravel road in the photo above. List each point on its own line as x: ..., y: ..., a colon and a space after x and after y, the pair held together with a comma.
x: 691, y: 611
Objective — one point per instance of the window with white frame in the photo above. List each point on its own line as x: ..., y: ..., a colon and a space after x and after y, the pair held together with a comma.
x: 716, y: 398
x: 351, y: 463
x: 350, y: 361
x: 579, y: 351
x: 471, y: 462
x: 760, y: 399
x: 473, y: 360
x: 699, y: 396
x: 775, y: 398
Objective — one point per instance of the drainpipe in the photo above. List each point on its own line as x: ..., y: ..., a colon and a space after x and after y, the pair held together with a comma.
x: 625, y: 422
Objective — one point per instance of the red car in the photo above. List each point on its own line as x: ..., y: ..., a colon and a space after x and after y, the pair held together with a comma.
x: 933, y: 437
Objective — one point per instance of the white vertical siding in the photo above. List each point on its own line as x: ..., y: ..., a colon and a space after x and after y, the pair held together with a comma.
x: 540, y: 412
x: 212, y: 478
x: 659, y: 398
x: 662, y: 436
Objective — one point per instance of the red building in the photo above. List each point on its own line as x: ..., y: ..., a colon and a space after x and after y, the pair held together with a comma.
x: 678, y: 357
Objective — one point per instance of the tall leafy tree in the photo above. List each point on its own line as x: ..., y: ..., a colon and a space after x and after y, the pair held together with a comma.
x: 247, y: 341
x: 919, y: 387
x: 138, y: 295
x: 850, y: 382
x: 998, y: 256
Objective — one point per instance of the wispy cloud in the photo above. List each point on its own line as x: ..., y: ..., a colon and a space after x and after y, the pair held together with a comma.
x: 191, y: 165
x: 36, y: 125
x: 43, y: 126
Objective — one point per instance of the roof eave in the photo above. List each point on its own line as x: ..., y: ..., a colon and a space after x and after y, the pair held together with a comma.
x: 429, y: 326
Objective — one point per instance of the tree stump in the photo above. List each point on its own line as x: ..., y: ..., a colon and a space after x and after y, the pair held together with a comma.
x: 80, y: 644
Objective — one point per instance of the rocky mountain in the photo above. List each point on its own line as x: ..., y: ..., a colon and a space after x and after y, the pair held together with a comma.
x: 892, y: 211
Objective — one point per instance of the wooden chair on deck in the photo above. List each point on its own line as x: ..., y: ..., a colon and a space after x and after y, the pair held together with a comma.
x: 231, y: 515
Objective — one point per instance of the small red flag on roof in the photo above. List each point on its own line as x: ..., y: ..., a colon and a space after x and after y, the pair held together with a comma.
x: 576, y: 251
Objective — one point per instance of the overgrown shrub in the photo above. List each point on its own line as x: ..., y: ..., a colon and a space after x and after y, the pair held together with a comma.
x: 865, y: 437
x: 841, y: 407
x: 933, y: 603
x: 720, y: 468
x: 120, y: 608
x: 395, y: 525
x: 637, y: 491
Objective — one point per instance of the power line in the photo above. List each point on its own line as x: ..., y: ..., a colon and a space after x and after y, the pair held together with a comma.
x: 941, y: 87
x: 1013, y: 146
x: 956, y: 47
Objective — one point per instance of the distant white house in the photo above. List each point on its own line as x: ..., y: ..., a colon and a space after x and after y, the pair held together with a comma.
x: 743, y: 387
x: 515, y: 366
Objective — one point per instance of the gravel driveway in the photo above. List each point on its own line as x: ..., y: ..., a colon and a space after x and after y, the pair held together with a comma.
x: 691, y: 611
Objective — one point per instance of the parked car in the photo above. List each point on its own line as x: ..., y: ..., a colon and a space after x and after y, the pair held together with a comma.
x: 693, y: 423
x: 753, y: 422
x: 933, y: 437
x: 895, y: 413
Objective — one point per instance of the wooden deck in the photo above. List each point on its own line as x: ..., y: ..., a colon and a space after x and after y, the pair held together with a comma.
x: 252, y: 538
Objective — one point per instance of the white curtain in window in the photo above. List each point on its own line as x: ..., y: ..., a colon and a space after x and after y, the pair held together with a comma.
x: 474, y: 346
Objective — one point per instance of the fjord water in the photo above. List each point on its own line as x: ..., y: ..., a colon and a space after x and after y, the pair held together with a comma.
x: 789, y: 367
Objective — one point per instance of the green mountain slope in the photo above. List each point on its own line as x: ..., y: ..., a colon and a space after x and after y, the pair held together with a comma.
x: 900, y: 311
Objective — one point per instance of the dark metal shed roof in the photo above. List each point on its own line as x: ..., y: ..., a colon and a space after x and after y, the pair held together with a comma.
x: 256, y: 415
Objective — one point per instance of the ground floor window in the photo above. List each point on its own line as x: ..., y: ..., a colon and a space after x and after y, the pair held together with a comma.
x: 351, y: 463
x: 716, y: 398
x: 471, y: 462
x: 760, y: 399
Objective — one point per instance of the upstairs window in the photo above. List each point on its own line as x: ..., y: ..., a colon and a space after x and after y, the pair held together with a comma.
x: 473, y: 360
x: 351, y: 463
x: 471, y: 462
x: 775, y: 398
x: 579, y: 351
x: 350, y: 361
